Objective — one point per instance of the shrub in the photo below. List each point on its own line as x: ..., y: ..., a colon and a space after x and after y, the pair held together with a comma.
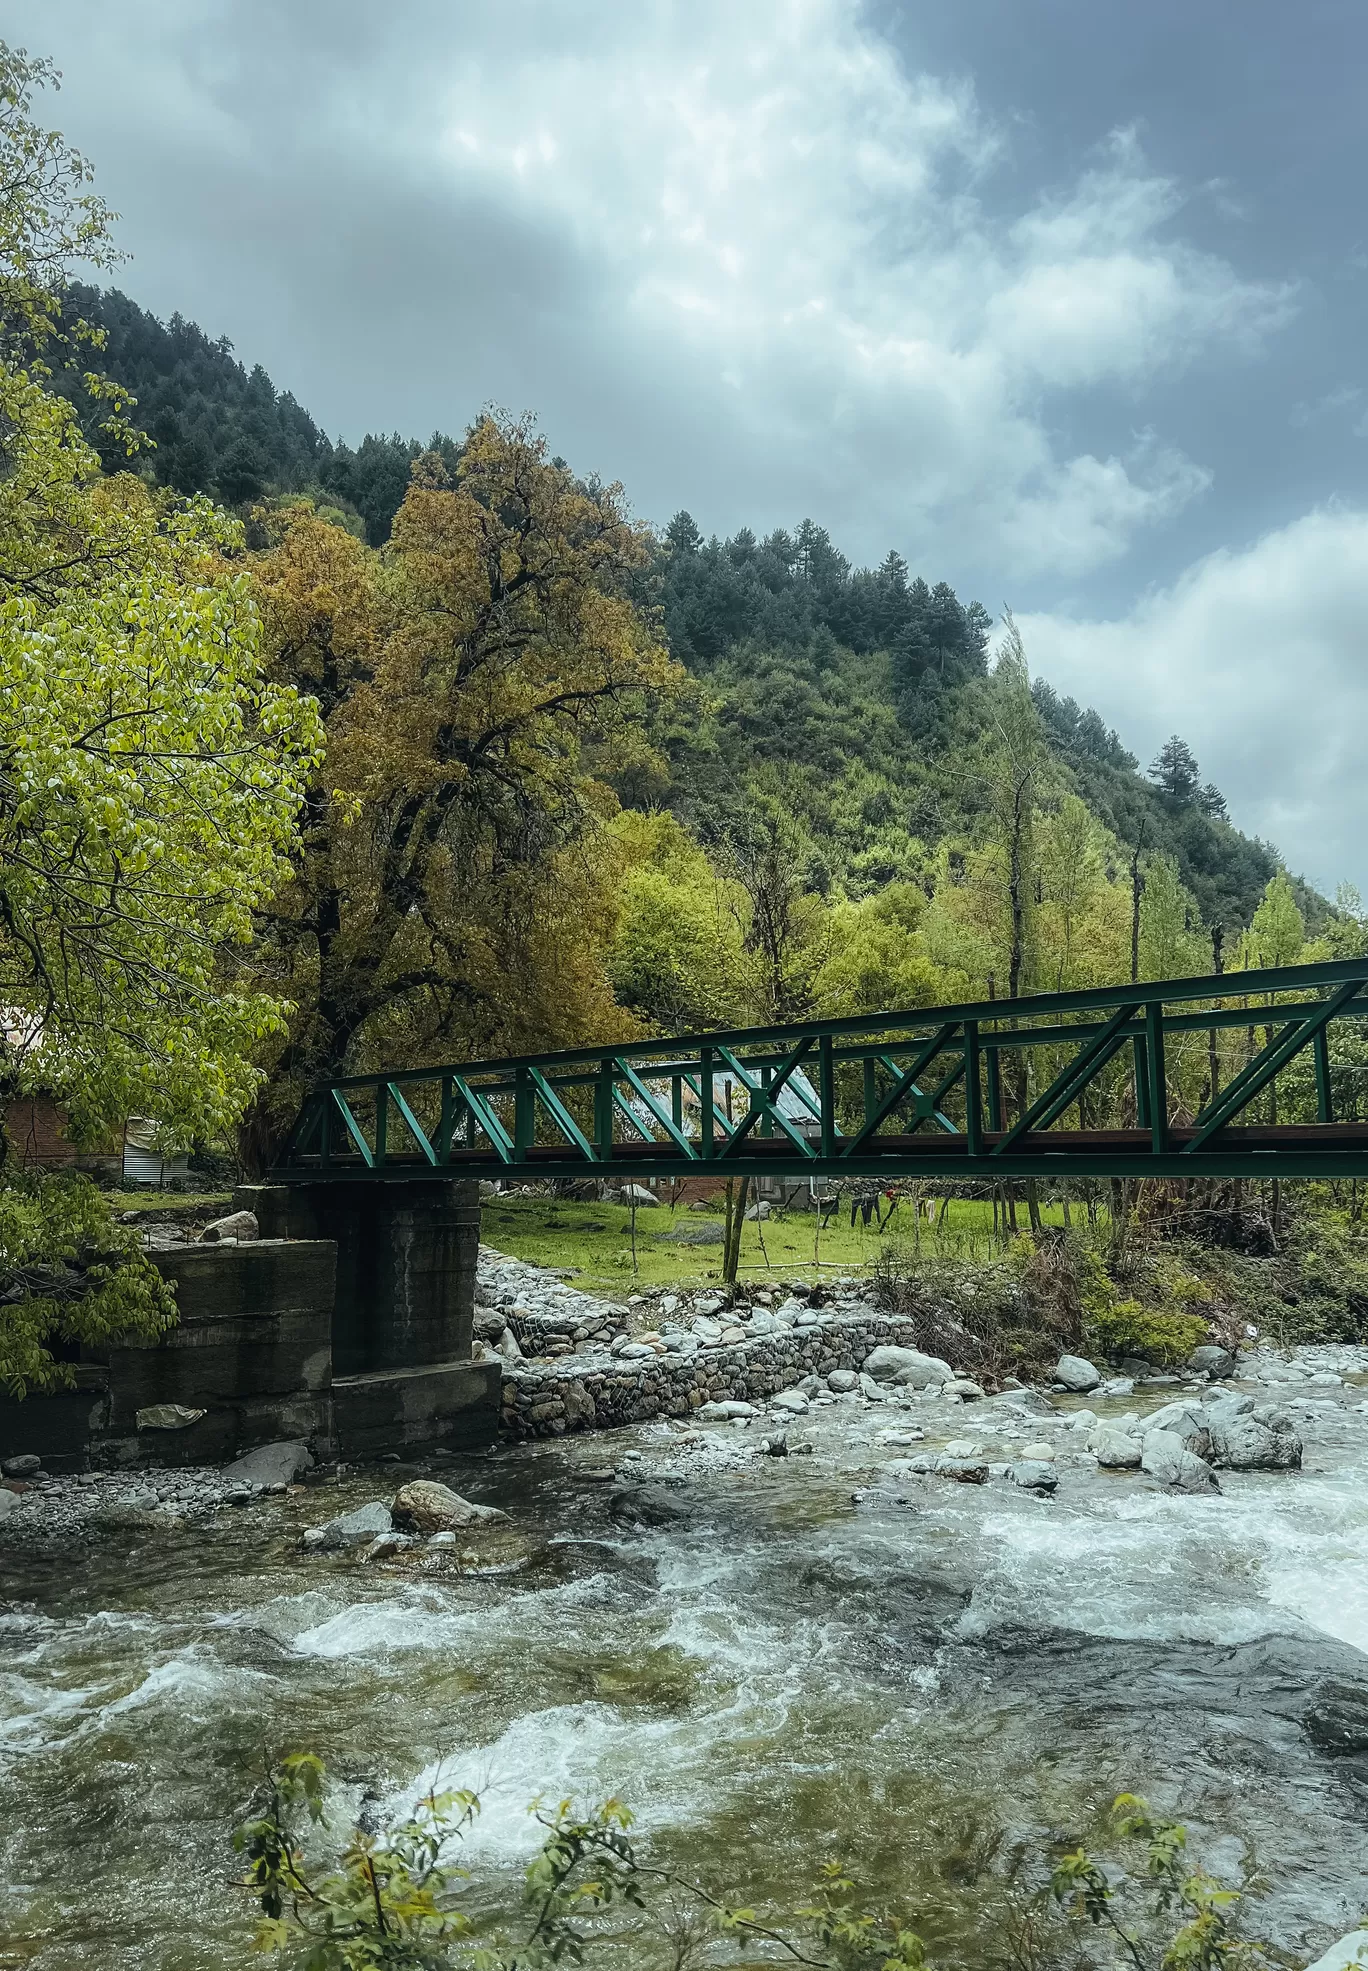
x: 393, y: 1900
x: 1127, y: 1328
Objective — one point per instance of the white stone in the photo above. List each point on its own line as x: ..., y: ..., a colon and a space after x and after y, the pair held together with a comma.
x: 271, y: 1464
x: 792, y: 1400
x: 350, y: 1529
x: 1077, y: 1374
x: 962, y: 1447
x: 890, y: 1363
x: 1348, y: 1954
x: 237, y: 1227
x: 1164, y: 1456
x: 1039, y: 1453
x: 727, y: 1411
x: 1115, y: 1450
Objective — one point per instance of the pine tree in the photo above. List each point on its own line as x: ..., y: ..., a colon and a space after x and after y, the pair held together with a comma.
x: 1175, y: 772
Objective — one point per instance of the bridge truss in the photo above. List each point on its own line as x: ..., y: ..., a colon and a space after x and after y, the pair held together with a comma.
x: 1250, y: 1074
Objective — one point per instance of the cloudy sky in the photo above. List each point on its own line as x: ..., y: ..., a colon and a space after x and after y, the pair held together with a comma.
x: 1065, y: 301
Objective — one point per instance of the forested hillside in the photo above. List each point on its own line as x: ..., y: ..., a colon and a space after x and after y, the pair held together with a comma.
x: 844, y: 792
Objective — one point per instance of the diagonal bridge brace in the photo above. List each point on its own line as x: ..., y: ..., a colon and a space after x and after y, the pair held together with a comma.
x: 647, y: 1096
x: 1268, y: 1062
x: 928, y: 1107
x: 486, y: 1118
x: 905, y: 1084
x: 1070, y: 1082
x: 763, y: 1099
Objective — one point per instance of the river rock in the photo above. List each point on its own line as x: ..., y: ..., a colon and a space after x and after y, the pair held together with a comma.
x: 1231, y: 1403
x: 23, y: 1466
x: 426, y: 1506
x: 8, y: 1501
x: 1188, y: 1421
x: 1212, y: 1360
x: 239, y: 1225
x: 1077, y: 1374
x: 1115, y: 1450
x: 271, y: 1464
x: 1245, y: 1444
x: 647, y: 1506
x: 1035, y: 1474
x: 792, y: 1400
x: 965, y: 1387
x: 1350, y: 1953
x: 968, y: 1471
x: 351, y: 1529
x: 962, y: 1447
x: 1038, y: 1453
x: 1164, y: 1456
x: 1337, y: 1722
x: 890, y: 1363
x: 843, y: 1381
x: 725, y: 1411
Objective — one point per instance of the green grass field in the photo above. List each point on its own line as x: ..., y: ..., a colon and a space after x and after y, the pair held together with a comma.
x: 595, y: 1240
x: 150, y: 1200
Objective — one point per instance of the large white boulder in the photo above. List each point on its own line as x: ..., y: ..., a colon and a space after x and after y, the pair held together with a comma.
x: 1189, y: 1421
x: 1245, y: 1444
x: 1115, y: 1450
x: 351, y: 1529
x: 1164, y: 1456
x: 890, y: 1363
x: 1348, y: 1954
x: 1212, y: 1360
x: 425, y: 1506
x: 1076, y: 1373
x: 272, y: 1464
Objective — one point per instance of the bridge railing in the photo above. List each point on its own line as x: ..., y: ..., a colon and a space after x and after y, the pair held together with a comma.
x: 1199, y: 1076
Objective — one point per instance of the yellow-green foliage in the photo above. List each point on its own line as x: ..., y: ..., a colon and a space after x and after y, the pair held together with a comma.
x: 1127, y: 1327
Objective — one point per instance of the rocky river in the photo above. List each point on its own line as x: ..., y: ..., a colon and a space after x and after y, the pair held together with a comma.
x: 851, y: 1621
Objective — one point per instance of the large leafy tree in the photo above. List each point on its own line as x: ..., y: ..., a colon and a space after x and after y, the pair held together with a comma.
x: 150, y: 777
x: 456, y: 889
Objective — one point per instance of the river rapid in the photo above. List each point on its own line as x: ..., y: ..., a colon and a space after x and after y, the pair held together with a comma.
x: 770, y: 1659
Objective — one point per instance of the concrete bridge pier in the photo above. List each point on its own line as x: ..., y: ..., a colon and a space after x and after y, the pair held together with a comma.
x: 402, y: 1374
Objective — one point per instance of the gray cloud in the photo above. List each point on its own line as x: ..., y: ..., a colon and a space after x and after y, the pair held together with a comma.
x: 741, y: 259
x: 774, y: 259
x: 1257, y: 658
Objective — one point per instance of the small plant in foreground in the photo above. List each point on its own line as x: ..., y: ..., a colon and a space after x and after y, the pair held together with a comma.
x: 393, y: 1900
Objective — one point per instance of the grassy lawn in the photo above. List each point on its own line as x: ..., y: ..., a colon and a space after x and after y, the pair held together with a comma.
x: 148, y: 1200
x: 596, y: 1240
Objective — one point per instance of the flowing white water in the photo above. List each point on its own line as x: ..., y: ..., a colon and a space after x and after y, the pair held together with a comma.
x: 768, y: 1674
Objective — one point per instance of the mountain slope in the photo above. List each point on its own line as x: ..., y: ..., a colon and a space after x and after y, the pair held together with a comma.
x: 848, y: 693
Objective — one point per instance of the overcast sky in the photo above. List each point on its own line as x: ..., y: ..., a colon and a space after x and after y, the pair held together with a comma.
x: 1063, y: 299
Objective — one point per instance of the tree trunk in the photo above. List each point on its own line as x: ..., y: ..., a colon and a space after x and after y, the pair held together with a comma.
x: 737, y: 1192
x: 1033, y: 1204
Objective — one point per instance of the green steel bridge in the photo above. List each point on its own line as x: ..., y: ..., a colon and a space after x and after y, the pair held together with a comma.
x: 1001, y: 1089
